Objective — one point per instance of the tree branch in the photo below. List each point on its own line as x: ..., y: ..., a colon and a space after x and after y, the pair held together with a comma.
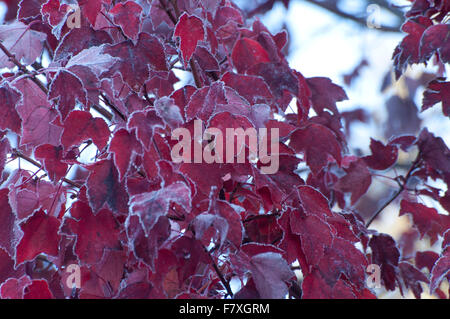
x: 19, y: 154
x: 402, y: 187
x: 22, y: 68
x: 41, y: 85
x: 332, y: 7
x: 225, y: 283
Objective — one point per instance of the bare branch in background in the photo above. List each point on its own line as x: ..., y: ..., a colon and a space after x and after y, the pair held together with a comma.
x: 335, y: 7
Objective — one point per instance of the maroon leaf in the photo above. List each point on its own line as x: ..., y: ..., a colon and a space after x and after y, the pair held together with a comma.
x: 40, y: 236
x: 252, y: 88
x: 190, y: 30
x: 270, y: 272
x: 14, y: 288
x: 52, y: 157
x: 437, y: 91
x: 313, y: 202
x: 91, y: 9
x: 127, y: 16
x: 317, y: 143
x: 434, y: 39
x: 206, y: 60
x: 146, y: 244
x: 9, y: 118
x: 104, y: 187
x: 19, y: 39
x: 78, y: 39
x: 434, y: 151
x: 357, y: 181
x: 315, y: 234
x: 278, y: 76
x: 382, y: 156
x: 407, y: 52
x: 7, y: 267
x: 426, y: 259
x: 247, y: 53
x: 386, y: 255
x: 68, y: 89
x: 145, y: 122
x: 412, y: 277
x: 315, y: 287
x: 38, y: 289
x: 124, y: 147
x: 325, y: 94
x: 151, y: 206
x: 203, y: 102
x: 80, y: 127
x: 440, y: 271
x: 94, y: 233
x: 8, y: 228
x: 131, y: 67
x: 38, y: 117
x: 343, y: 258
x: 210, y: 228
x: 425, y: 219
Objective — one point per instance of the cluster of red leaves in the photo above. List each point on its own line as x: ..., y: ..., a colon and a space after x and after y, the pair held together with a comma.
x: 140, y: 226
x: 427, y: 37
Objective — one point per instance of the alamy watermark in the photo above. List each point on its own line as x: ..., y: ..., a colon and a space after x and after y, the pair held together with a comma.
x: 73, y: 280
x: 74, y: 16
x: 237, y: 141
x: 374, y: 278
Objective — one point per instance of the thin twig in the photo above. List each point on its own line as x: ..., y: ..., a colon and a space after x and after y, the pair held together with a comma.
x: 116, y: 26
x: 225, y: 283
x: 252, y: 218
x: 22, y: 68
x: 332, y: 7
x: 402, y: 187
x: 112, y: 106
x: 41, y: 85
x: 17, y: 153
x: 194, y: 69
x: 169, y: 13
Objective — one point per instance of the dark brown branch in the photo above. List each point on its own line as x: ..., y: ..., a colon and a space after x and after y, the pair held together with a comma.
x: 41, y: 85
x: 22, y: 68
x: 19, y: 154
x: 225, y: 283
x: 113, y: 107
x: 168, y: 12
x: 112, y: 23
x: 194, y: 69
x: 251, y: 218
x: 402, y: 187
x: 331, y: 6
x: 391, y: 8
